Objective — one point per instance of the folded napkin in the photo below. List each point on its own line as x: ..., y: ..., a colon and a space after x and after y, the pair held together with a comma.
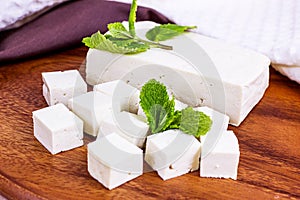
x: 14, y: 13
x: 64, y: 26
x: 271, y: 27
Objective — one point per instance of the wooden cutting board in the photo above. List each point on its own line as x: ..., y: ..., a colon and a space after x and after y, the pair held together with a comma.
x: 269, y: 140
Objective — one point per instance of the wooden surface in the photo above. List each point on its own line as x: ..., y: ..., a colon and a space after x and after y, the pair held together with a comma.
x: 269, y: 140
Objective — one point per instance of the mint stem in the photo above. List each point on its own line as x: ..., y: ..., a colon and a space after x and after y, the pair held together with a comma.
x: 132, y: 17
x: 155, y: 44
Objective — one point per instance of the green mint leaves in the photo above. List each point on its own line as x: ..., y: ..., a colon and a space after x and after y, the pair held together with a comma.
x: 194, y: 122
x: 157, y: 106
x: 123, y: 41
x: 114, y: 45
x: 161, y: 114
x: 166, y: 31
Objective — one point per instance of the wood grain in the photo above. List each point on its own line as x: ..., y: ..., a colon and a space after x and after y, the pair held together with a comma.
x: 269, y: 143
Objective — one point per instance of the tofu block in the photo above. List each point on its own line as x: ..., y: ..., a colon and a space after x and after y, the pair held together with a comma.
x: 130, y: 126
x: 92, y: 108
x: 200, y: 71
x: 127, y: 95
x: 222, y: 161
x: 57, y: 128
x: 172, y: 153
x: 60, y: 86
x: 112, y: 160
x: 219, y: 125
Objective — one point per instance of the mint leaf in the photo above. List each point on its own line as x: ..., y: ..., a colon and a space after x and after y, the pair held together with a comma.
x: 132, y: 17
x: 194, y: 122
x: 166, y: 31
x: 114, y: 45
x: 118, y: 30
x: 157, y: 106
x: 176, y: 120
x: 94, y: 40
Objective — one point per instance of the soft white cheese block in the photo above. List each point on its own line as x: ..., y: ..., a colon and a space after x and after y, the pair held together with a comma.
x: 129, y: 126
x: 60, y: 86
x: 112, y: 160
x: 57, y: 128
x: 92, y: 108
x: 128, y: 96
x: 219, y: 125
x: 222, y: 161
x: 172, y: 153
x: 200, y: 71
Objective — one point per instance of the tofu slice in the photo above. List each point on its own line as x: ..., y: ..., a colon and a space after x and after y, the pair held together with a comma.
x: 172, y: 153
x: 222, y: 161
x: 113, y: 161
x: 127, y: 95
x: 130, y: 126
x: 92, y: 108
x: 57, y: 128
x: 224, y: 77
x: 60, y: 86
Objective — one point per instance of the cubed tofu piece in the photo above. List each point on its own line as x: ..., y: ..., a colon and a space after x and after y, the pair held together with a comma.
x: 57, y: 128
x: 60, y: 86
x: 112, y: 160
x: 172, y: 153
x: 222, y: 161
x: 92, y: 108
x: 127, y: 95
x: 219, y: 125
x: 201, y: 71
x: 130, y: 126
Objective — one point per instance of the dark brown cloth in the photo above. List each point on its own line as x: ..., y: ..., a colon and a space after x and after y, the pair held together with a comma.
x: 64, y: 26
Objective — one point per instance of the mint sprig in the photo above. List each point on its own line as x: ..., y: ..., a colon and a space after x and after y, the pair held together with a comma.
x: 157, y: 106
x: 161, y: 114
x: 123, y: 41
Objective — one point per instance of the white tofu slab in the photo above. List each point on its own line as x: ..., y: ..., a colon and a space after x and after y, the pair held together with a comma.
x: 172, y: 153
x: 231, y: 80
x: 127, y: 95
x: 60, y: 86
x: 130, y: 126
x: 112, y: 160
x: 92, y: 108
x: 222, y: 161
x: 57, y: 128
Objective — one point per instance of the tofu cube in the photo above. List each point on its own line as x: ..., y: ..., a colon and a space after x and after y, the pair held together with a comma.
x: 57, y: 128
x: 172, y: 153
x: 222, y: 161
x: 125, y: 95
x: 129, y: 126
x: 60, y: 86
x: 92, y: 108
x: 112, y: 160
